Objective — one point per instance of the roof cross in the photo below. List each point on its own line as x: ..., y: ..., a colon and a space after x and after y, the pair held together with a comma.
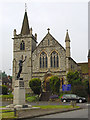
x: 48, y: 30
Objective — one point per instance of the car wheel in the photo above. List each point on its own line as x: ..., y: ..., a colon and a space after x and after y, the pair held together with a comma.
x: 80, y: 101
x: 64, y: 101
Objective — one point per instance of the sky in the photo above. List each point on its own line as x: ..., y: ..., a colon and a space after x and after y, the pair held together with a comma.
x: 54, y: 14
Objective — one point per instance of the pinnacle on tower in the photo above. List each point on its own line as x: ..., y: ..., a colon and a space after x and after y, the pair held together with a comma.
x: 67, y: 37
x: 25, y: 24
x: 67, y: 41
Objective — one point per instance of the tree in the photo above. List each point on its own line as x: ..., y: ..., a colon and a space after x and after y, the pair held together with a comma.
x: 55, y: 84
x: 74, y: 78
x: 4, y: 74
x: 0, y: 89
x: 77, y: 85
x: 4, y: 90
x: 86, y: 85
x: 35, y: 85
x: 80, y: 90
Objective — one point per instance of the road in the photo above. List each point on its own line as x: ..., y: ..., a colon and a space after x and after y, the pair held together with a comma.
x: 83, y: 113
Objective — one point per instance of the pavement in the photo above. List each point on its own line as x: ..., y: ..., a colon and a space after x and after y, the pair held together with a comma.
x: 73, y: 115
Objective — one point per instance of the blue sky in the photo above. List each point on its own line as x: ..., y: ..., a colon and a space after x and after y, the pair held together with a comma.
x: 56, y: 15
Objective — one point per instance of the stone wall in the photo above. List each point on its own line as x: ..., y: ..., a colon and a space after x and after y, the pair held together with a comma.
x: 73, y: 65
x: 48, y: 45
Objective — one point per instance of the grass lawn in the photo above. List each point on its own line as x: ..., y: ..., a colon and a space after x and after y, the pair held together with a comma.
x: 4, y: 110
x: 2, y: 106
x: 55, y: 106
x: 8, y: 115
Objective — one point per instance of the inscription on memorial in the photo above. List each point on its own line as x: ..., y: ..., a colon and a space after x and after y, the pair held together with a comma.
x: 21, y: 84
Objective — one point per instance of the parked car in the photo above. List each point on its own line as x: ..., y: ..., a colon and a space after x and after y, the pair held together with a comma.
x: 72, y: 97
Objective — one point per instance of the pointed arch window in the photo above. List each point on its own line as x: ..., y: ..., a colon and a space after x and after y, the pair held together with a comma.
x: 48, y: 42
x: 43, y: 60
x: 54, y: 59
x: 51, y: 60
x: 22, y: 46
x: 57, y: 61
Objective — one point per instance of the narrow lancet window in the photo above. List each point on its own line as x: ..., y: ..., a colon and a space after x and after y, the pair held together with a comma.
x: 43, y: 60
x: 22, y: 46
x: 54, y: 60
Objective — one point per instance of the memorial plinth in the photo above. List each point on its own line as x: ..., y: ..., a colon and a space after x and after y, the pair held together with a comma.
x: 19, y: 93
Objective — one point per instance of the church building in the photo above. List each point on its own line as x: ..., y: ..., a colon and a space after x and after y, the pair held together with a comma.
x: 43, y: 59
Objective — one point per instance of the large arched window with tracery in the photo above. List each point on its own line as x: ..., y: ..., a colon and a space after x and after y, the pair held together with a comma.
x: 54, y: 59
x: 43, y: 60
x: 22, y: 45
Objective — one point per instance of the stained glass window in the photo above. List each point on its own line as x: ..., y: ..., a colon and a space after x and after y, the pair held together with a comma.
x: 43, y: 60
x: 54, y: 59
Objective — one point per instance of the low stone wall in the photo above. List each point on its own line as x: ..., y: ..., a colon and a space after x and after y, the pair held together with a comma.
x: 27, y: 112
x: 35, y: 112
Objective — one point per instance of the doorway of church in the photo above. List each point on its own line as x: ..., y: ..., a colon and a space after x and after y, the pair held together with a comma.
x: 48, y: 87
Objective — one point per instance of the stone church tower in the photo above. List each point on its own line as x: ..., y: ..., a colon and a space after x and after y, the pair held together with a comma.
x: 48, y: 58
x: 24, y: 44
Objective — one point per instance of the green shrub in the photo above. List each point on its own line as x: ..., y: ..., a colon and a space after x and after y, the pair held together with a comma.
x: 35, y: 85
x: 55, y: 84
x: 32, y: 99
x: 10, y: 96
x: 4, y: 90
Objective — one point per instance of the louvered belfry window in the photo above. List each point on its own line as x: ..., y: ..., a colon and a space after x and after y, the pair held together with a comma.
x: 22, y: 46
